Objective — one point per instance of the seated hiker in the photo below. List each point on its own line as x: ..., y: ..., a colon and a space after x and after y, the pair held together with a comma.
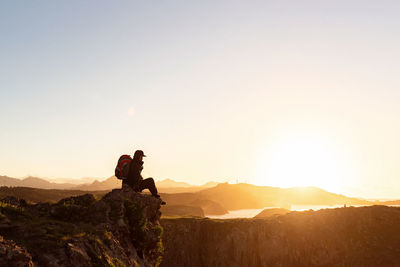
x: 134, y: 177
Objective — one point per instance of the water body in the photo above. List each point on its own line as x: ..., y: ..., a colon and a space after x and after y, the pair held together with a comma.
x: 232, y: 214
x: 250, y: 213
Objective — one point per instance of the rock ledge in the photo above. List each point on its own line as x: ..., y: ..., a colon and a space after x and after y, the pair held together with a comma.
x: 121, y: 229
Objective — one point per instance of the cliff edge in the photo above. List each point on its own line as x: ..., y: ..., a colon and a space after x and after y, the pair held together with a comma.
x: 363, y: 236
x: 120, y: 229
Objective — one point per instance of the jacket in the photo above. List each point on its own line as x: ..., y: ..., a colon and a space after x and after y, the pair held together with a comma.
x: 134, y: 176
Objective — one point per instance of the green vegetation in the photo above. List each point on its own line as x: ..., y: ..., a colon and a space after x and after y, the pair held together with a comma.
x: 14, y: 212
x: 115, y: 210
x: 97, y: 254
x: 143, y: 234
x: 41, y: 232
x: 74, y: 209
x: 137, y: 223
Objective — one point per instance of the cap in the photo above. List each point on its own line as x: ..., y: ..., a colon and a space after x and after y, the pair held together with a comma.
x: 139, y: 153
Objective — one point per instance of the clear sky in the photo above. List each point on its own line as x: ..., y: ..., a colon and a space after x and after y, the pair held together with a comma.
x: 281, y: 93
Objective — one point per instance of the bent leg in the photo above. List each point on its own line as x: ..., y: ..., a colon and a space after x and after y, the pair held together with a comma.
x: 149, y: 184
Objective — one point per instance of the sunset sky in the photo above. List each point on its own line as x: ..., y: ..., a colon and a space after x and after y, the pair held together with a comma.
x: 280, y: 93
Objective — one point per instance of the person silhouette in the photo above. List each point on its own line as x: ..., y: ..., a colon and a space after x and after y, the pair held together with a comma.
x: 134, y: 178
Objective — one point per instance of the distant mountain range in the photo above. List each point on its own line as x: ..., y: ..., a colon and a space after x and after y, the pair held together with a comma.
x: 92, y: 184
x: 172, y: 183
x: 185, y: 199
x: 76, y: 181
x: 212, y: 198
x: 165, y: 186
x: 217, y: 200
x: 33, y: 182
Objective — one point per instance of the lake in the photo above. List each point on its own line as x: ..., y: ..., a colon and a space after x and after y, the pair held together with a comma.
x: 250, y: 213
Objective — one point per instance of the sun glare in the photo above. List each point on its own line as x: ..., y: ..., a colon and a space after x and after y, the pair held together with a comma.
x: 303, y: 160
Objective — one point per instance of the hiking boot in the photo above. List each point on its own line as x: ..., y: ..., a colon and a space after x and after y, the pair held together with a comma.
x: 158, y: 196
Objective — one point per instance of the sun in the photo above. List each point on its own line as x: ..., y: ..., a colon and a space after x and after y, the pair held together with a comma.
x: 303, y: 160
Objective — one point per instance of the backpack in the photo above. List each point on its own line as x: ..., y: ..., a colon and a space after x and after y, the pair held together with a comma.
x: 122, y: 169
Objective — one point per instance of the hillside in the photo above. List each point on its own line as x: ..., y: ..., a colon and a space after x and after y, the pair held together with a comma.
x: 223, y: 197
x: 207, y: 201
x: 214, y: 198
x: 267, y: 213
x: 113, y: 182
x: 108, y: 184
x: 171, y: 183
x: 247, y: 196
x: 36, y: 195
x: 178, y: 187
x: 365, y: 236
x: 212, y: 201
x: 389, y: 202
x: 77, y: 184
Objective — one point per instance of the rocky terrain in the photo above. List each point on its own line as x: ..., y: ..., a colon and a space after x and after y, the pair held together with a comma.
x: 13, y: 255
x: 120, y: 229
x: 123, y: 228
x: 209, y: 201
x: 364, y: 236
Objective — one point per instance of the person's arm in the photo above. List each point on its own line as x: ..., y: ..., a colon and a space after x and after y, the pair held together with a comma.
x: 134, y: 172
x: 140, y: 168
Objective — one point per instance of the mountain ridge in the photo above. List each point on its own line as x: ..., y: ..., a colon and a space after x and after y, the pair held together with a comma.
x: 167, y: 185
x: 216, y: 200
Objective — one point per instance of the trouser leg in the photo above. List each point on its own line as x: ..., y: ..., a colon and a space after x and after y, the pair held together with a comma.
x: 149, y: 184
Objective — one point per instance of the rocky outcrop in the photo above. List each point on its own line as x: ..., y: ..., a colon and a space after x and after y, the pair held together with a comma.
x: 365, y: 236
x: 121, y: 229
x: 12, y: 255
x: 266, y: 213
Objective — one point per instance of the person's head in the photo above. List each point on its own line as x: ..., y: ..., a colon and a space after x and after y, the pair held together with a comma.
x: 139, y: 155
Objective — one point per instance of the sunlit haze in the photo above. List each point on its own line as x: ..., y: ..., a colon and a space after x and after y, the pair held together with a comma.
x: 276, y: 93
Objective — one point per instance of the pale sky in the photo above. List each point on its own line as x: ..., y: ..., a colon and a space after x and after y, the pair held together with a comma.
x: 281, y: 93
